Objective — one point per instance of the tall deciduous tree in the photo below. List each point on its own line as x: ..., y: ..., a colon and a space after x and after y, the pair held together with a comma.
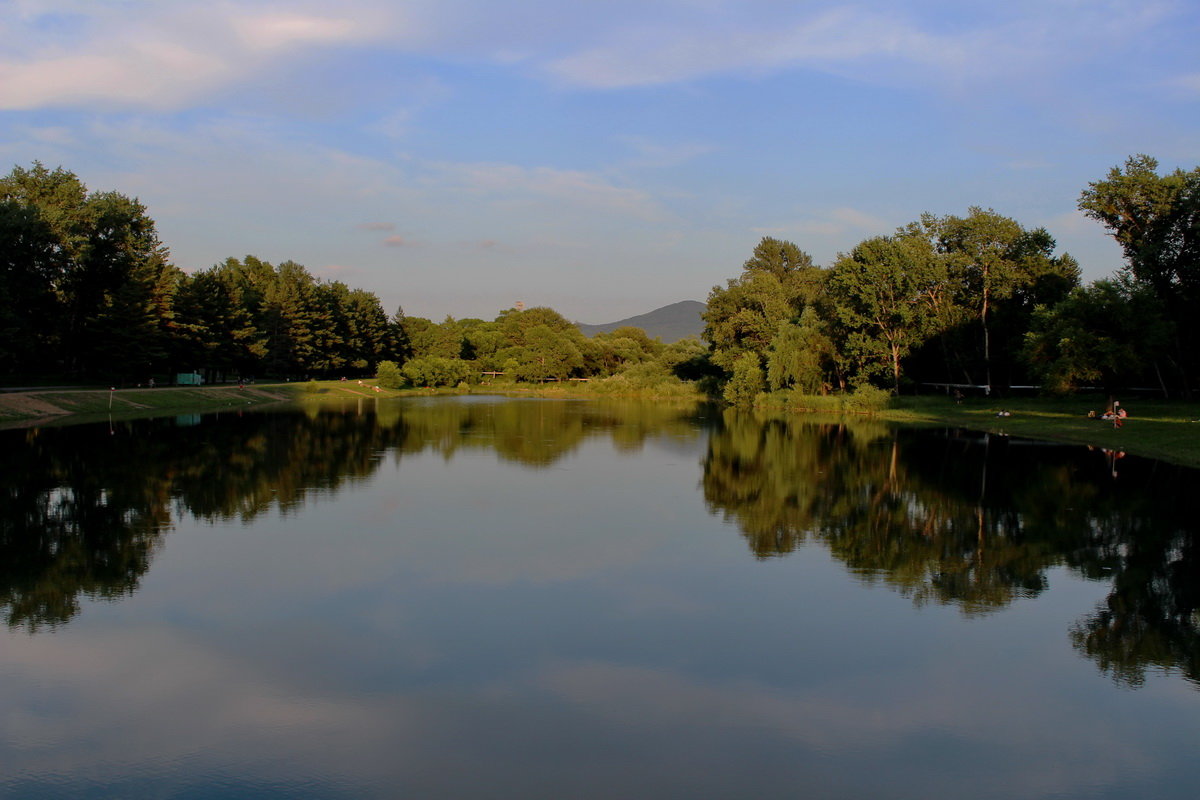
x: 884, y: 292
x: 776, y: 284
x: 802, y: 355
x: 993, y: 264
x: 1156, y: 220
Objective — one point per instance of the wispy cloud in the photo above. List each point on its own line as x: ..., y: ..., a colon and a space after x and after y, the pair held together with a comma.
x: 884, y: 43
x: 153, y: 55
x: 1190, y: 84
x: 163, y: 54
x: 834, y: 222
x: 650, y: 153
x: 656, y: 55
x: 575, y: 187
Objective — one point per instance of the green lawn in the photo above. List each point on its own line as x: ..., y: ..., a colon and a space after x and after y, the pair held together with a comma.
x: 1154, y: 428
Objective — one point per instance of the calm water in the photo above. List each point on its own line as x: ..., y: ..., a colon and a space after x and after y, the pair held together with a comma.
x: 540, y: 599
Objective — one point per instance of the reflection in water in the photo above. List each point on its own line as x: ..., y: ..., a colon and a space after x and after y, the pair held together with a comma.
x: 976, y: 521
x: 83, y: 508
x: 944, y: 517
x: 492, y: 598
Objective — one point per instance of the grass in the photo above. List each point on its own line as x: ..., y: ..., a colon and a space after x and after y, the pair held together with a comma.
x: 1155, y: 428
x: 64, y: 406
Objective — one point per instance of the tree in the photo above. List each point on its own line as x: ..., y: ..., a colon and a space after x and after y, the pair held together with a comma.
x: 776, y: 284
x: 1109, y: 333
x: 547, y: 355
x: 91, y: 258
x: 800, y: 355
x: 28, y: 269
x: 883, y: 293
x: 990, y: 259
x: 1156, y: 220
x: 436, y: 371
x: 388, y: 375
x: 747, y: 380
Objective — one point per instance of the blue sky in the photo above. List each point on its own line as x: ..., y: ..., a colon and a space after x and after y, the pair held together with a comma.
x: 603, y: 158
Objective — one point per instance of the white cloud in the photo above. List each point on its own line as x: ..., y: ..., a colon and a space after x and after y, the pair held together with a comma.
x: 169, y: 54
x: 149, y: 74
x: 154, y: 55
x: 282, y: 30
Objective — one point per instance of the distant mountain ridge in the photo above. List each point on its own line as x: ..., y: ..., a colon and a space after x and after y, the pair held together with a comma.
x: 669, y: 323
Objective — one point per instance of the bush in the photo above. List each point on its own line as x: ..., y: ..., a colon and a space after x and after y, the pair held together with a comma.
x: 747, y: 381
x: 388, y: 375
x: 868, y: 398
x: 436, y: 371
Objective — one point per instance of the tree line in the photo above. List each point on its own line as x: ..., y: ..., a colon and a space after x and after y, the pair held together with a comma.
x: 89, y: 291
x: 975, y: 300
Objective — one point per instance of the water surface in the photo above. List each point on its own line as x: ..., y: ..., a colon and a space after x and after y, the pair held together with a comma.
x: 512, y: 598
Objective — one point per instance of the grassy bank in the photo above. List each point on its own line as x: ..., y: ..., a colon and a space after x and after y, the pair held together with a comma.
x: 66, y: 406
x: 1154, y: 428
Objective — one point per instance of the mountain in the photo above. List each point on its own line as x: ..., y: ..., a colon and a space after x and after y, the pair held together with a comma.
x: 669, y: 323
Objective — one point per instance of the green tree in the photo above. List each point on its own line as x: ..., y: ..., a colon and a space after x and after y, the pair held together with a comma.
x: 993, y: 264
x: 885, y: 293
x: 1109, y: 334
x: 1156, y: 220
x: 801, y: 355
x: 388, y: 375
x: 776, y: 283
x: 747, y: 380
x: 437, y: 371
x: 96, y: 254
x: 29, y: 267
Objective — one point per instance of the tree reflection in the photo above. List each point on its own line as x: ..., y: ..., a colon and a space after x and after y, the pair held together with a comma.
x: 948, y: 517
x: 84, y: 508
x: 975, y: 521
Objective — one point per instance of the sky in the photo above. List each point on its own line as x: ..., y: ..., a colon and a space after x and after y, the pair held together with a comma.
x: 602, y: 157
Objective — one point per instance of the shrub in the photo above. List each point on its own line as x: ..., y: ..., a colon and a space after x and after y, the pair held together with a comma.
x: 388, y: 375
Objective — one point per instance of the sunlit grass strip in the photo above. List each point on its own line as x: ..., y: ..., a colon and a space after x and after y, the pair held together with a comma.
x: 76, y: 406
x: 1154, y: 428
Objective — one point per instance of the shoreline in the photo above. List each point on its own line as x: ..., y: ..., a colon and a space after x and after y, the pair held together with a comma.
x: 1168, y: 431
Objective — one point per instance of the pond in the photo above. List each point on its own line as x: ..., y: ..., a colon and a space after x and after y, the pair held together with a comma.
x: 494, y: 598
